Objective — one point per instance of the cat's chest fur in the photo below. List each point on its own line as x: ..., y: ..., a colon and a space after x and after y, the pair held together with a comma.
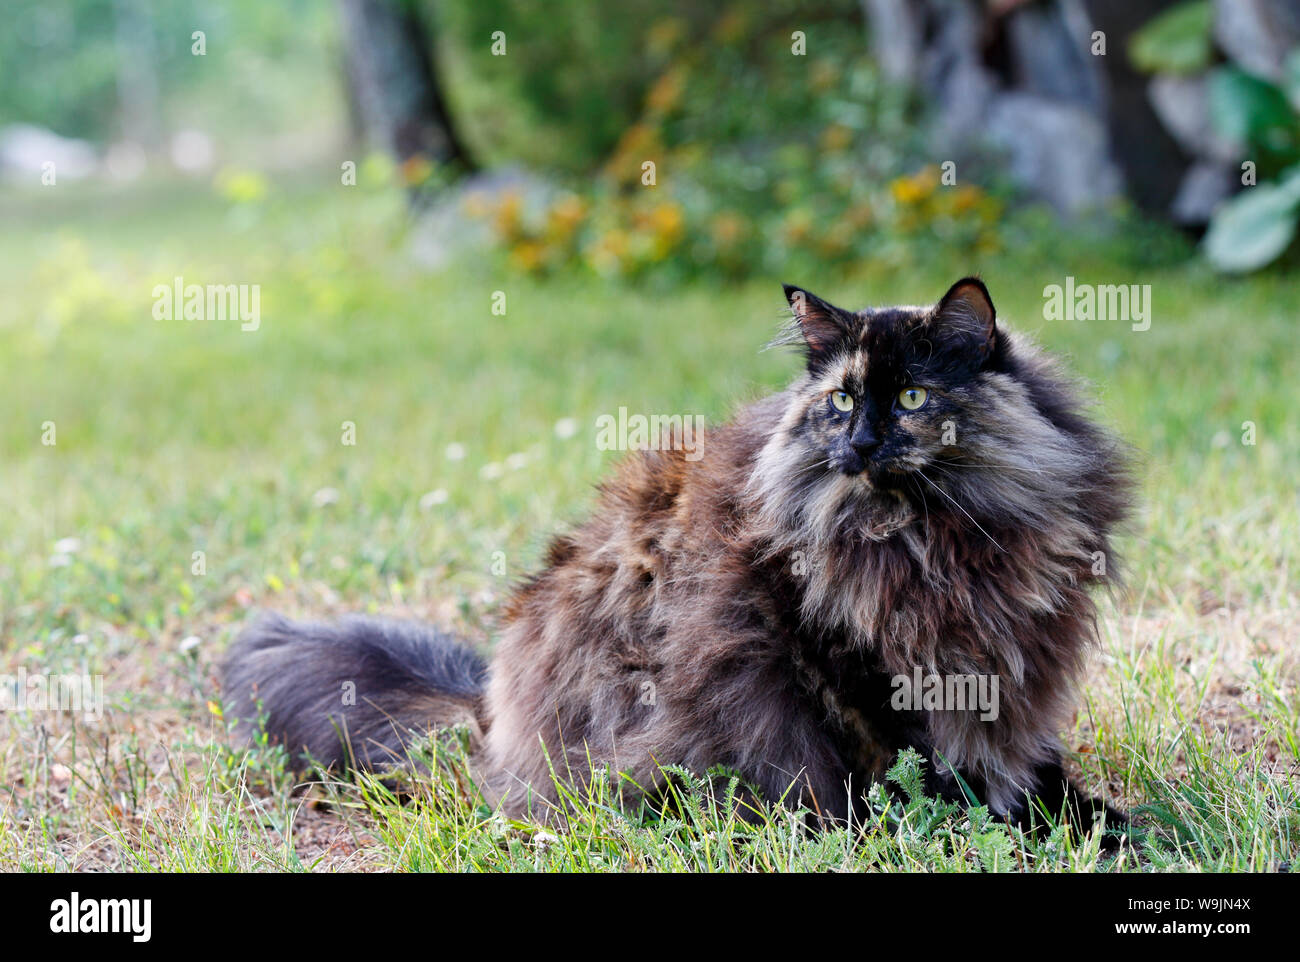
x: 862, y: 618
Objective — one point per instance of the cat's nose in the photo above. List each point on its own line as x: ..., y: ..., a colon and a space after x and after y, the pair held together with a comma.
x: 865, y: 444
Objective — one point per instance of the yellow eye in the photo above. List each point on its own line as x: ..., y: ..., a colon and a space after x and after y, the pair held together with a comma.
x: 911, y: 398
x: 842, y: 401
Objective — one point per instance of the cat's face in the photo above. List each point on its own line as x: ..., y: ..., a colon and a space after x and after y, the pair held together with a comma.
x: 915, y: 407
x: 888, y: 389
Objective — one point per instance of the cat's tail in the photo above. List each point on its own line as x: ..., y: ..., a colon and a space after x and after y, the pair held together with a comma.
x: 353, y: 694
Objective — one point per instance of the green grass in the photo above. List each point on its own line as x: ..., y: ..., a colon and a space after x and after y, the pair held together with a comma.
x: 175, y: 437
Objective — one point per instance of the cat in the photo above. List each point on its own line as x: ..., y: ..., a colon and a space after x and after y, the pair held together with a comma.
x: 927, y: 496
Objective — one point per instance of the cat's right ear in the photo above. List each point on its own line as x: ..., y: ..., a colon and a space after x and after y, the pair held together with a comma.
x: 822, y: 326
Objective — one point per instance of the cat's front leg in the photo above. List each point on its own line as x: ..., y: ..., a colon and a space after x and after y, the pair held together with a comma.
x: 1056, y: 795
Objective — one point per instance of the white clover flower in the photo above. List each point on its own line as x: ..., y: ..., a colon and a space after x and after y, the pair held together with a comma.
x: 325, y: 497
x: 433, y: 498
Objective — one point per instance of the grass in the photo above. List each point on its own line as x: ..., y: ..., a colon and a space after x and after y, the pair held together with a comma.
x: 177, y: 437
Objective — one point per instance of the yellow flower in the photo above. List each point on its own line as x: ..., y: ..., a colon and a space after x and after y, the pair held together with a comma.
x: 836, y: 137
x: 416, y: 169
x: 565, y: 217
x: 798, y: 225
x: 667, y: 90
x: 666, y: 226
x: 608, y: 254
x: 823, y: 75
x: 528, y: 256
x: 727, y: 229
x: 731, y: 27
x: 966, y: 198
x: 858, y: 216
x: 667, y: 220
x: 509, y: 214
x: 664, y: 35
x: 241, y: 186
x: 615, y: 241
x: 836, y: 240
x: 639, y: 143
x: 917, y: 187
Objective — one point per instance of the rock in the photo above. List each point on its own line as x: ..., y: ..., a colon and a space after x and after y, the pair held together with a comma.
x: 125, y: 161
x: 1151, y: 160
x: 1183, y: 106
x: 25, y: 150
x: 1202, y: 189
x: 192, y: 151
x: 1060, y: 152
x: 896, y: 29
x: 954, y: 75
x: 1051, y: 56
x: 1257, y: 33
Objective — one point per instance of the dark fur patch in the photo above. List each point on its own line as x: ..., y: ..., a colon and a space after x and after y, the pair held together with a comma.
x: 354, y: 693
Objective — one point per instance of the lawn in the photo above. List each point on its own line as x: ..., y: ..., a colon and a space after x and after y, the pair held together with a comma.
x: 175, y: 438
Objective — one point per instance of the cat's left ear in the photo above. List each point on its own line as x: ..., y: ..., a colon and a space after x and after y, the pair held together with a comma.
x: 823, y: 327
x: 965, y: 314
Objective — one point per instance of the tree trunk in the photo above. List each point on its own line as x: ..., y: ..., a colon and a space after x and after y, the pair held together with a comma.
x: 392, y: 75
x: 1152, y: 161
x: 137, y: 77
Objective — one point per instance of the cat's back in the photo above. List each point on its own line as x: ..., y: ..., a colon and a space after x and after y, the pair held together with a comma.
x: 585, y: 638
x: 662, y: 511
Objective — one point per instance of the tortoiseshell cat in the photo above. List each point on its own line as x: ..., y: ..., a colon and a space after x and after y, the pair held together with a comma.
x: 927, y: 494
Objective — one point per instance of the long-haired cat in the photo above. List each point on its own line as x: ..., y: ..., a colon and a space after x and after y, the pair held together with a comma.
x: 926, y: 500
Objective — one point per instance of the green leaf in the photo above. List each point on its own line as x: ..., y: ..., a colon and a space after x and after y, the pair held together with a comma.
x: 907, y: 774
x: 1250, y: 110
x: 1177, y: 41
x: 1291, y: 77
x: 994, y: 848
x: 1255, y: 227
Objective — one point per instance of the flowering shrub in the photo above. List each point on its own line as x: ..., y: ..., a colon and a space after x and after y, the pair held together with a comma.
x: 764, y: 140
x: 814, y: 203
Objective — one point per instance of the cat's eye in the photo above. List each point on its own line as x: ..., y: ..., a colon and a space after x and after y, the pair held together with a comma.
x: 842, y: 401
x: 912, y: 398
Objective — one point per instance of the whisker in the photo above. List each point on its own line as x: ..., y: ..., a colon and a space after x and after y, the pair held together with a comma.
x: 807, y: 468
x: 962, y: 510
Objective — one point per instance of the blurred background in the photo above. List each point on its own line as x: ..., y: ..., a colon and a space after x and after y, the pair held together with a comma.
x: 785, y: 135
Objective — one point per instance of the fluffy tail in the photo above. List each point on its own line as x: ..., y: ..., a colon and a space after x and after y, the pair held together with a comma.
x: 351, y: 694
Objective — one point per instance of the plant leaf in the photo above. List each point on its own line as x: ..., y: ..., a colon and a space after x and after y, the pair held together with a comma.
x: 1291, y: 77
x: 1177, y: 41
x: 1255, y: 227
x: 1249, y: 110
